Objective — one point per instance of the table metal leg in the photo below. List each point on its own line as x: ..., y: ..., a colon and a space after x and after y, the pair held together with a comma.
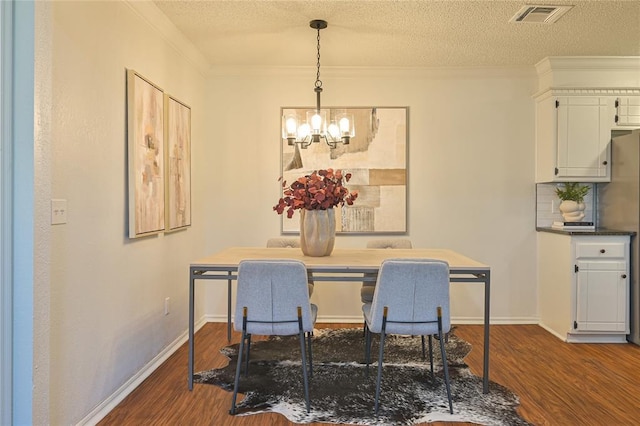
x: 229, y: 308
x: 487, y: 308
x: 191, y: 327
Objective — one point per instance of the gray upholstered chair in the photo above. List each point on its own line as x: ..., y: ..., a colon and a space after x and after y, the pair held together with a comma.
x: 411, y: 298
x: 290, y: 243
x: 366, y: 291
x: 272, y: 299
x: 283, y: 242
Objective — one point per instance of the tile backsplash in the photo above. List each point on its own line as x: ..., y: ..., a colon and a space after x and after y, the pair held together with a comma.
x: 547, y: 203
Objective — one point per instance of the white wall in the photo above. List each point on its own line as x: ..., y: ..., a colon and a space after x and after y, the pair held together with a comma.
x: 107, y: 291
x: 471, y: 172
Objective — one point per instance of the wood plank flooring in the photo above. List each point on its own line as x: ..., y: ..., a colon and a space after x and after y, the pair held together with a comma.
x: 558, y: 383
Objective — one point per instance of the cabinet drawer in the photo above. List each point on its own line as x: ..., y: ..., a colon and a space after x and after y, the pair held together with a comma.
x: 600, y: 265
x: 600, y: 250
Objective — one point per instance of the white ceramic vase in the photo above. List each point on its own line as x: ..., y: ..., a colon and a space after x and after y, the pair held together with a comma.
x: 317, y: 232
x: 572, y: 211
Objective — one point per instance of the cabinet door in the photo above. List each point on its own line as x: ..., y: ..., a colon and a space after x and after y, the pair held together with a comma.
x: 584, y: 132
x: 628, y: 111
x: 601, y: 296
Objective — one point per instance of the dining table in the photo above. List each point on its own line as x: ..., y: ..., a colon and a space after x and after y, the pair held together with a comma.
x: 343, y: 265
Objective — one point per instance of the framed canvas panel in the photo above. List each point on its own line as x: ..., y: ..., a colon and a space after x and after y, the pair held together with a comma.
x: 145, y: 123
x: 178, y: 166
x: 376, y: 157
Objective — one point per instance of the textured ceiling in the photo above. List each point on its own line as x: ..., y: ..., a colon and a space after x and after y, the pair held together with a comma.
x: 401, y: 33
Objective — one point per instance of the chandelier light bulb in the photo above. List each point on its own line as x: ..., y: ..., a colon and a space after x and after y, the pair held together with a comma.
x: 316, y: 123
x: 304, y: 131
x: 334, y: 131
x: 345, y: 125
x: 291, y: 125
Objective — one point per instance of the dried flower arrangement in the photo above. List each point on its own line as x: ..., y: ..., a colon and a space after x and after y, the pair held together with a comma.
x: 320, y: 190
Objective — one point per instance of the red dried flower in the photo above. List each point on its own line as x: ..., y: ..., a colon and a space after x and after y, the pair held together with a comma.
x: 321, y: 190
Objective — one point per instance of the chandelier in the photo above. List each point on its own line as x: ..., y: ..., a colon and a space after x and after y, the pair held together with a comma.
x: 337, y: 128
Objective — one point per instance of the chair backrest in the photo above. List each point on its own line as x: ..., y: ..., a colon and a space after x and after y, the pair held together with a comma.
x: 398, y: 243
x: 412, y: 289
x: 272, y: 290
x: 283, y: 242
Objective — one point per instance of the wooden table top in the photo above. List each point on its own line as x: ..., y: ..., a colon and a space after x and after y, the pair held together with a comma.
x: 341, y: 258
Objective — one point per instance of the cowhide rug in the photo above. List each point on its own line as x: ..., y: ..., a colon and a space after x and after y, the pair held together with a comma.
x: 341, y: 392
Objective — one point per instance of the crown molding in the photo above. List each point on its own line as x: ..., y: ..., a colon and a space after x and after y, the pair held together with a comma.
x: 579, y: 91
x: 159, y: 22
x: 596, y: 72
x: 576, y: 63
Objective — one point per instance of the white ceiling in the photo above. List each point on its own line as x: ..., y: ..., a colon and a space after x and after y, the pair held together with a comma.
x: 391, y: 33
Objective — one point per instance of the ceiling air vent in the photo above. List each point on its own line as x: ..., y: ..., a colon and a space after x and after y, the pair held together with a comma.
x: 541, y: 14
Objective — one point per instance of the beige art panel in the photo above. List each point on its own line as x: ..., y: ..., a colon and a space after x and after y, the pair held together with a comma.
x: 383, y: 177
x: 377, y: 159
x: 145, y: 123
x: 178, y: 191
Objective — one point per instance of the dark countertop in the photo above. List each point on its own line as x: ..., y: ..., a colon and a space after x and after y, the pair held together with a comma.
x: 597, y: 231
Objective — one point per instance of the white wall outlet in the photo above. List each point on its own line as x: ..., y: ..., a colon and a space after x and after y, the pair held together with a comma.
x: 58, y: 211
x: 167, y: 305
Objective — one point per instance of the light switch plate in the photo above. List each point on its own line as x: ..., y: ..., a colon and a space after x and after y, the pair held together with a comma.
x: 58, y: 211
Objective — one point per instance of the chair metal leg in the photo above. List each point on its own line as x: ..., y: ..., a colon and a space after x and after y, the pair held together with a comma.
x: 433, y: 376
x: 238, y: 366
x: 310, y: 351
x: 424, y: 355
x: 246, y: 368
x: 229, y: 308
x: 304, y: 360
x: 380, y: 358
x: 367, y: 349
x: 445, y: 366
x: 304, y: 371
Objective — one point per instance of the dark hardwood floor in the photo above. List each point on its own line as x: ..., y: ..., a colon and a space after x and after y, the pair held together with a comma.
x: 558, y: 383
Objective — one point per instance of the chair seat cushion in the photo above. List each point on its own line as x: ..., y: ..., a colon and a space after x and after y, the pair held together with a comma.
x: 406, y: 329
x: 284, y: 329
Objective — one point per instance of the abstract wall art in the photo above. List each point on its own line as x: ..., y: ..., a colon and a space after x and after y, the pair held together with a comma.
x: 178, y: 135
x: 377, y: 160
x: 146, y: 161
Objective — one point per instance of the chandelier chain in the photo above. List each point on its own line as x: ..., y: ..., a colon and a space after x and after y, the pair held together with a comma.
x: 318, y: 81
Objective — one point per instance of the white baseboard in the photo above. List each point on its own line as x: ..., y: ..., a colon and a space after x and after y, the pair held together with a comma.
x: 496, y: 321
x: 322, y: 319
x: 357, y: 319
x: 555, y: 333
x: 596, y: 338
x: 101, y: 411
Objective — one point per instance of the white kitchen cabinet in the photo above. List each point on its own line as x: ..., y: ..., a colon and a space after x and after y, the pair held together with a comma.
x: 584, y: 286
x: 573, y: 135
x: 628, y: 111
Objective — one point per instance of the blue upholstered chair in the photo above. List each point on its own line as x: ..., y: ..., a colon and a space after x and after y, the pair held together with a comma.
x: 366, y: 291
x: 272, y: 299
x: 411, y: 298
x: 290, y: 243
